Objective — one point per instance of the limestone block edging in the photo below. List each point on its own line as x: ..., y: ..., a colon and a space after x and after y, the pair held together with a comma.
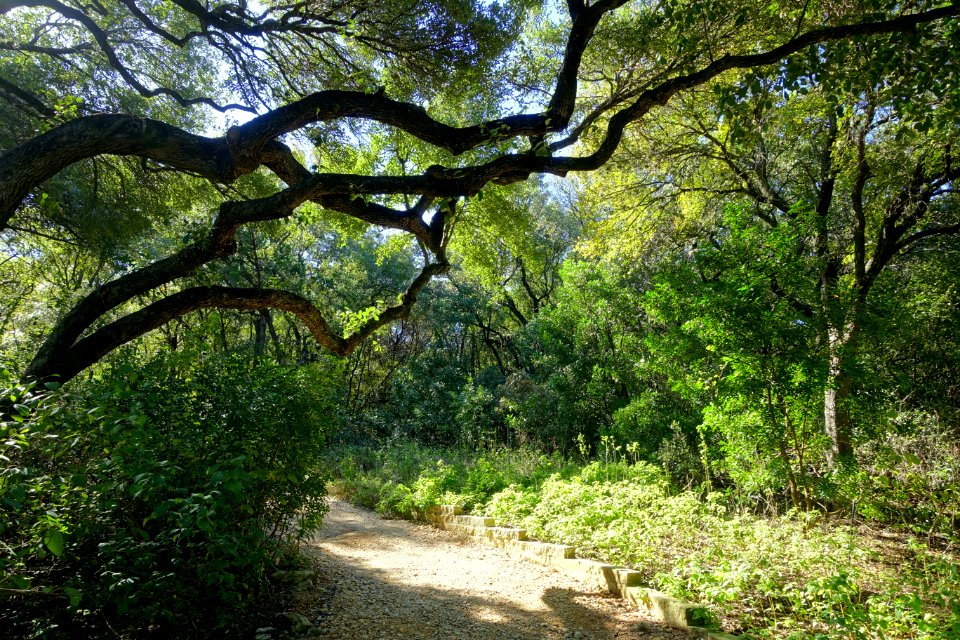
x: 620, y: 581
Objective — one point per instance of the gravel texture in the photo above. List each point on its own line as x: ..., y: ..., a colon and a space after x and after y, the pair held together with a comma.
x: 390, y: 579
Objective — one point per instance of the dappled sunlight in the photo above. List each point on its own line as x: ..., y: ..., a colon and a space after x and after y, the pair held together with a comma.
x: 424, y: 583
x: 659, y: 294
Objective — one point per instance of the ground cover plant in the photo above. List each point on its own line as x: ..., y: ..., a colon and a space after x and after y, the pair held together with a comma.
x: 797, y: 575
x: 406, y: 478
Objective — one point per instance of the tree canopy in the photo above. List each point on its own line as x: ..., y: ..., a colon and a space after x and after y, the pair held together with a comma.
x: 400, y: 115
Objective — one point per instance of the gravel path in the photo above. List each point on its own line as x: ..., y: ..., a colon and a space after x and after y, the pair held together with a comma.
x: 390, y: 579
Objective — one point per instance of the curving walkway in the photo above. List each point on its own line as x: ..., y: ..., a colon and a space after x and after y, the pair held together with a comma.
x: 392, y: 579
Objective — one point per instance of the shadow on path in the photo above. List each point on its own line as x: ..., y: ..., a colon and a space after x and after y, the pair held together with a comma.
x: 386, y: 579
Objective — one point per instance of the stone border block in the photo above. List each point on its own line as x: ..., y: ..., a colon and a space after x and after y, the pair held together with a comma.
x: 466, y: 530
x: 506, y: 533
x: 601, y: 576
x: 626, y: 583
x: 627, y: 578
x: 440, y: 515
x: 598, y: 575
x: 545, y: 553
x: 500, y: 537
x: 663, y: 608
x: 473, y: 521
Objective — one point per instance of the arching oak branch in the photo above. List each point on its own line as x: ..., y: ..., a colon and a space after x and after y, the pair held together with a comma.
x: 93, y: 347
x: 245, y: 148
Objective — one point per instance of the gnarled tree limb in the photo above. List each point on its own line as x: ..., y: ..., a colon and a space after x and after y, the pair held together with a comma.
x: 92, y: 348
x: 257, y: 143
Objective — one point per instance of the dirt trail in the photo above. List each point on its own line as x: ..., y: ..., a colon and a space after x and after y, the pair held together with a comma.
x: 386, y: 579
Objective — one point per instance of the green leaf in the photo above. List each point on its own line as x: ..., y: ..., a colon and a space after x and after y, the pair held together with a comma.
x: 54, y: 541
x: 20, y: 582
x: 74, y: 594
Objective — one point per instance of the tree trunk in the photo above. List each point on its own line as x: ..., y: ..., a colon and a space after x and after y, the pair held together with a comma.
x: 260, y: 334
x: 838, y: 395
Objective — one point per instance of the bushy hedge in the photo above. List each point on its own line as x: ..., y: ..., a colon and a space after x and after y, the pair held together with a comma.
x: 158, y: 503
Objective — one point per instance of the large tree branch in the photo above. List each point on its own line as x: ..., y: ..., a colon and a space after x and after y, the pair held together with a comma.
x: 25, y: 167
x: 585, y: 21
x: 661, y: 94
x: 928, y: 232
x: 237, y: 21
x: 92, y: 348
x: 331, y: 105
x: 220, y: 243
x: 27, y: 98
x: 241, y: 151
x: 245, y: 148
x: 903, y: 213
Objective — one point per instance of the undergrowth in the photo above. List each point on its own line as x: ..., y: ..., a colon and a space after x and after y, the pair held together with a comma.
x: 157, y: 505
x: 797, y: 575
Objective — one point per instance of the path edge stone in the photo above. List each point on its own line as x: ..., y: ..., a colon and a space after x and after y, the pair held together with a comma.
x: 618, y: 581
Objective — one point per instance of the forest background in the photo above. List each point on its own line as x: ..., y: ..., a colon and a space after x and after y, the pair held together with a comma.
x: 674, y: 282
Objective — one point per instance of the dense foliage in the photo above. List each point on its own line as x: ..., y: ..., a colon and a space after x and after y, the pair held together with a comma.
x: 680, y: 275
x: 791, y: 576
x: 158, y: 502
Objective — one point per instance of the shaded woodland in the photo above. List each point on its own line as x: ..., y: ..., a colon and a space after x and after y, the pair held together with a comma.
x: 673, y: 281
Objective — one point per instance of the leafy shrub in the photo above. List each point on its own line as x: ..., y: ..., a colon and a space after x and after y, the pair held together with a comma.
x: 512, y: 505
x: 370, y: 477
x: 641, y: 473
x: 434, y: 485
x: 622, y: 522
x: 793, y: 576
x: 909, y: 477
x: 35, y: 502
x: 774, y: 577
x: 395, y: 500
x: 158, y: 503
x: 484, y: 479
x: 363, y: 489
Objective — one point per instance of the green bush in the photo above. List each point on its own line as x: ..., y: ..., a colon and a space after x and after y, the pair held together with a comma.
x: 909, y: 477
x: 484, y: 479
x: 624, y: 522
x: 395, y: 499
x: 159, y: 503
x: 381, y: 478
x: 641, y: 473
x: 513, y: 505
x: 433, y: 485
